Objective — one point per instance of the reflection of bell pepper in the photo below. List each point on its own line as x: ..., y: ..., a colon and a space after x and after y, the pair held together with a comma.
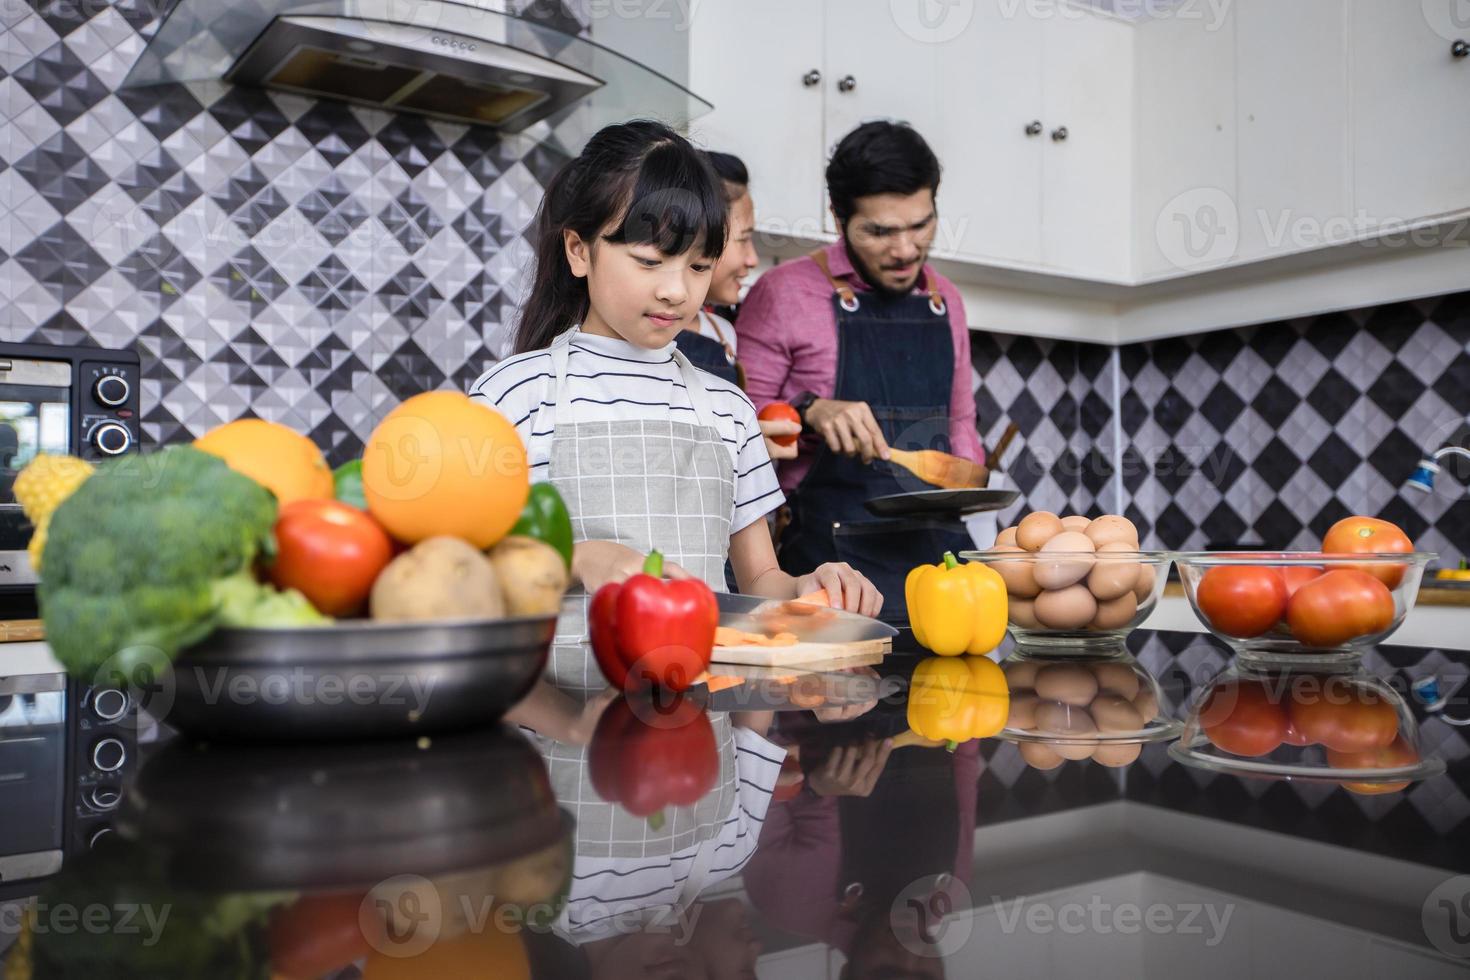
x: 648, y: 632
x: 1461, y: 574
x: 955, y: 700
x: 956, y: 608
x: 545, y: 518
x: 650, y: 754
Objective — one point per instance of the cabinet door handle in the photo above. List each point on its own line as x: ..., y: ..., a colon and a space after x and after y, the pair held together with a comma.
x: 1460, y: 49
x: 811, y: 78
x: 846, y: 83
x: 1059, y: 134
x: 1034, y: 128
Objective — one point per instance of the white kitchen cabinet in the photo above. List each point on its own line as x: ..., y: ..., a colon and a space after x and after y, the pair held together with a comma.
x: 765, y: 111
x: 1411, y: 105
x: 1294, y: 182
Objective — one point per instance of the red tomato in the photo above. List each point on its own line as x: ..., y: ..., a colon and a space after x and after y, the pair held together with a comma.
x: 1294, y: 737
x: 1241, y: 600
x: 1241, y: 718
x: 1341, y: 715
x: 1296, y: 576
x: 1392, y: 756
x: 1360, y: 535
x: 316, y: 935
x: 331, y: 551
x: 1340, y: 605
x: 780, y: 412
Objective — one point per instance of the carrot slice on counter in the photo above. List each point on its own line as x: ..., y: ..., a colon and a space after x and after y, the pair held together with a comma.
x: 728, y: 636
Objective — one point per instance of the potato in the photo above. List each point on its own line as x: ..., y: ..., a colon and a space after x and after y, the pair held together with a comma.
x: 438, y: 578
x: 532, y: 576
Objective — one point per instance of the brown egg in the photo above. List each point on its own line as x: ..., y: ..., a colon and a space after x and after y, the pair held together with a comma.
x: 1023, y: 710
x: 1068, y: 683
x: 1071, y: 608
x: 1147, y: 702
x: 1111, y: 527
x: 1064, y: 719
x: 1019, y: 575
x: 1110, y: 578
x: 1116, y: 678
x: 1038, y: 755
x: 1059, y: 573
x: 1021, y: 674
x: 1115, y: 613
x: 1116, y: 755
x: 1023, y: 614
x: 1037, y: 529
x: 1007, y: 536
x: 1115, y: 713
x: 1075, y: 523
x: 1147, y: 578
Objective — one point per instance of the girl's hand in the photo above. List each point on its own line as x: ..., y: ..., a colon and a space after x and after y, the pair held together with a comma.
x: 598, y: 563
x: 771, y: 429
x: 846, y: 587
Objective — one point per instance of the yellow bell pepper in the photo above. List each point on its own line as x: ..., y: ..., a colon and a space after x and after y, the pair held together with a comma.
x: 956, y: 608
x: 1461, y: 574
x: 955, y: 699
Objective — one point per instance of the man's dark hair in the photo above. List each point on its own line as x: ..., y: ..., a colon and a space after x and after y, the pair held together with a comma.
x: 879, y: 158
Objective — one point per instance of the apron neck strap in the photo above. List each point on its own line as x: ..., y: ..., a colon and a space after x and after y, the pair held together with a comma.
x: 561, y: 351
x: 847, y: 296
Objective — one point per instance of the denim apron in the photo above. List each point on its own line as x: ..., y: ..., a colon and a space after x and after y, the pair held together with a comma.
x: 709, y: 354
x: 898, y: 356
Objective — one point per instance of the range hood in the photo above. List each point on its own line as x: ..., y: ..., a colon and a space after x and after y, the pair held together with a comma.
x: 465, y: 62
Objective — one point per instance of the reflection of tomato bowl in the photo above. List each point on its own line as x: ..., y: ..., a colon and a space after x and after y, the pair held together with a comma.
x: 1301, y: 606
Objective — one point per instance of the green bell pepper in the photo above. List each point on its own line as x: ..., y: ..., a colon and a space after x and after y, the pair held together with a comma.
x: 347, y: 484
x: 546, y: 519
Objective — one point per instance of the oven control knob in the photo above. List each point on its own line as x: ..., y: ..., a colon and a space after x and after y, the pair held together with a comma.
x: 111, y: 390
x: 97, y: 836
x: 109, y: 704
x: 104, y: 797
x: 109, y: 754
x: 111, y: 438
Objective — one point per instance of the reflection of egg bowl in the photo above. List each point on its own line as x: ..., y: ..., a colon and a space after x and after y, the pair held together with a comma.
x: 1104, y: 707
x: 1077, y: 602
x: 1316, y: 723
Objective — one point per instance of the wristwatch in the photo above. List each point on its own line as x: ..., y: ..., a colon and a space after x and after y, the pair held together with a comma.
x: 801, y: 403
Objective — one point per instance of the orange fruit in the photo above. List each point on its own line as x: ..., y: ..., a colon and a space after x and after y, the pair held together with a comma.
x: 443, y: 464
x: 283, y: 461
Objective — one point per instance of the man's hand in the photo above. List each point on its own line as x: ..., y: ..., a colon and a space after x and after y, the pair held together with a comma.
x: 848, y: 427
x: 851, y: 770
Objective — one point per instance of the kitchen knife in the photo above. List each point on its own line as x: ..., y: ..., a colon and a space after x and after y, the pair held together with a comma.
x: 810, y: 624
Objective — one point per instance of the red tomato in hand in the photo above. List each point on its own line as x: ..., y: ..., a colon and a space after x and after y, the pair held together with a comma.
x: 1360, y: 535
x: 1341, y: 715
x: 1241, y: 600
x: 780, y: 412
x: 1395, y: 755
x: 331, y: 551
x: 1241, y: 718
x: 1341, y: 605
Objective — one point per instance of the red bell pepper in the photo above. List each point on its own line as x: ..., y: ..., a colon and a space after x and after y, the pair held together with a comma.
x: 649, y: 632
x: 647, y: 755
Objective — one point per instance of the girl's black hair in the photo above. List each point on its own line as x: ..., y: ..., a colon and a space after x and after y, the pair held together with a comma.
x: 732, y: 171
x: 642, y: 175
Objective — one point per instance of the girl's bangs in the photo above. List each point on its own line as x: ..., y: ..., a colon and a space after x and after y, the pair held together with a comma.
x: 676, y: 205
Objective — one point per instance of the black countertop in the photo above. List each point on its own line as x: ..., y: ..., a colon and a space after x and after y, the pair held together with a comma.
x: 494, y: 854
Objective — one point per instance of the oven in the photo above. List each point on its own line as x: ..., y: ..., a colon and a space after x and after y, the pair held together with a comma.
x: 81, y: 401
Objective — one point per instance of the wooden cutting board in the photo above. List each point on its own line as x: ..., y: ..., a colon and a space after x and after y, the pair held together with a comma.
x: 21, y: 630
x: 802, y: 653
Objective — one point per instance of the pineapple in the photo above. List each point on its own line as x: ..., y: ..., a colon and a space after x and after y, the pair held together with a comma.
x: 40, y: 488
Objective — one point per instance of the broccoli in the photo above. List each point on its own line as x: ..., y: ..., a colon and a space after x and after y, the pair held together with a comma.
x: 139, y: 556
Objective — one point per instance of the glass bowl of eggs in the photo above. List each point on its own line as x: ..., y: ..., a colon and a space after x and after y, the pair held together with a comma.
x: 1075, y: 586
x: 1321, y: 723
x: 1103, y: 708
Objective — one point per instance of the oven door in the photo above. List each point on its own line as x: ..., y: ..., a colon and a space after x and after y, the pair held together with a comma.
x: 32, y: 775
x: 35, y: 417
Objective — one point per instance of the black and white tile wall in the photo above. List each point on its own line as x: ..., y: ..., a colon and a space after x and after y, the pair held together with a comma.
x: 300, y: 260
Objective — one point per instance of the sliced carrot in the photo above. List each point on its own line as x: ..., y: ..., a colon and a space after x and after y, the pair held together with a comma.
x: 817, y: 598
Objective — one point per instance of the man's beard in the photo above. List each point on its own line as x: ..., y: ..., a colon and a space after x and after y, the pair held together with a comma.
x: 867, y: 275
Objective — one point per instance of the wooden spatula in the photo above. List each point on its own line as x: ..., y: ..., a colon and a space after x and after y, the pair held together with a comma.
x: 941, y: 469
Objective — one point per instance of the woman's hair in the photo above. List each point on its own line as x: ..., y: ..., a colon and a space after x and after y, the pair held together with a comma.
x: 879, y: 158
x: 646, y: 182
x: 732, y: 171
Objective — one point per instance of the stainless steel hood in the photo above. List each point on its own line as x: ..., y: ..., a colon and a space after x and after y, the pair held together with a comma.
x: 466, y: 61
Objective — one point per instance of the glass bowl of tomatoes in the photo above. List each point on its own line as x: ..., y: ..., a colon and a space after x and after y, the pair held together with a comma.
x: 1303, y: 607
x: 1328, y: 723
x: 1102, y: 707
x: 1076, y: 603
